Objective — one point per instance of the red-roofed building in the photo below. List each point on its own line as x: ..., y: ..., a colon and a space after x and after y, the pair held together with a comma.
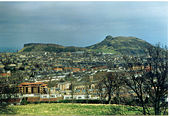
x: 31, y: 88
x: 83, y: 69
x: 5, y: 74
x: 58, y: 69
x: 76, y: 69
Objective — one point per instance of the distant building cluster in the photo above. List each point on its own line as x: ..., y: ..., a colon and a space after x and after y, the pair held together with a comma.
x: 39, y: 70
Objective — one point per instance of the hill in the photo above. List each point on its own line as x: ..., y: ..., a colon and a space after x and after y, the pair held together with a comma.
x: 116, y: 45
x: 121, y: 45
x: 39, y: 47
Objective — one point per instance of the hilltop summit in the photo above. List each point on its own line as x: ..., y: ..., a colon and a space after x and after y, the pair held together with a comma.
x: 122, y: 45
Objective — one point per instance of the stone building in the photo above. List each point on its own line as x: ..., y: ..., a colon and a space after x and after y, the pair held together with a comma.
x: 33, y: 88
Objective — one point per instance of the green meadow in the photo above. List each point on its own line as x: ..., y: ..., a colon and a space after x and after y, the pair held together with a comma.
x: 71, y: 109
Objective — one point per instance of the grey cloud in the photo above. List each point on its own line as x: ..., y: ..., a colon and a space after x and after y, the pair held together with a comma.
x: 81, y: 23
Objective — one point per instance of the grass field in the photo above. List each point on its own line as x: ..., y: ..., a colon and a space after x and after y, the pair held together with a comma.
x: 71, y: 109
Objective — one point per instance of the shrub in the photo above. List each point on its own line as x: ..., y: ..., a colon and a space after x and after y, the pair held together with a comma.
x: 82, y: 101
x: 24, y: 101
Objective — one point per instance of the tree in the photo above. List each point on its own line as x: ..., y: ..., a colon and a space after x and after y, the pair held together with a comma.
x: 108, y: 83
x: 8, y: 84
x: 101, y: 91
x: 135, y: 81
x: 151, y: 85
x: 72, y: 80
x: 50, y: 84
x: 157, y: 78
x: 8, y: 88
x: 87, y: 83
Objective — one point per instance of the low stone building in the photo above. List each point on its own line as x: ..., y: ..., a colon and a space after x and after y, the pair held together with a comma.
x: 33, y: 88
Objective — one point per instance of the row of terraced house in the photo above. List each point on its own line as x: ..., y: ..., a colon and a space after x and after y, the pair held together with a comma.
x: 39, y: 91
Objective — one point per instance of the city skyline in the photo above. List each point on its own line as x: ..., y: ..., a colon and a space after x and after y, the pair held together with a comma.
x: 81, y: 23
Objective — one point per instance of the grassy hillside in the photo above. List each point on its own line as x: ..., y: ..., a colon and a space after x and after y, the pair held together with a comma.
x: 38, y: 47
x: 121, y: 45
x: 116, y: 45
x: 72, y: 109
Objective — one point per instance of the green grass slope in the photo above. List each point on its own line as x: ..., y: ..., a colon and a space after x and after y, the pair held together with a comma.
x: 39, y: 47
x: 121, y: 45
x: 116, y: 45
x: 72, y: 109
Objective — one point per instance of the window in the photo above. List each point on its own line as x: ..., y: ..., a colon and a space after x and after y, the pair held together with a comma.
x: 86, y: 97
x: 77, y: 91
x: 79, y: 97
x: 26, y: 89
x: 53, y: 96
x: 66, y: 97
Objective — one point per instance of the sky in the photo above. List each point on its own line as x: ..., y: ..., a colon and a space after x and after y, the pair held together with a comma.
x: 81, y: 23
